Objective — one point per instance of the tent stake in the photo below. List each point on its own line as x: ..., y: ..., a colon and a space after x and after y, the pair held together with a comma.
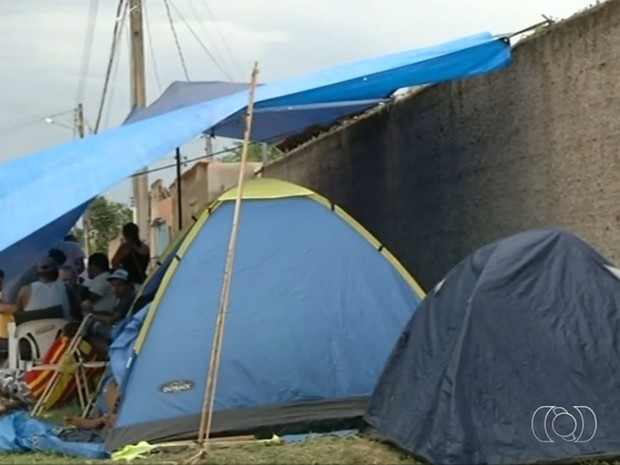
x: 206, y: 414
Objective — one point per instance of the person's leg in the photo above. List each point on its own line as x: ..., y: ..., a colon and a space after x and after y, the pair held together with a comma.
x: 111, y: 396
x: 85, y: 423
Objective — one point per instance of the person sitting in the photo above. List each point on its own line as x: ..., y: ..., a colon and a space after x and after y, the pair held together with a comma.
x: 12, y: 288
x: 73, y: 252
x: 69, y: 276
x: 133, y: 255
x: 100, y: 295
x: 99, y: 331
x: 47, y: 292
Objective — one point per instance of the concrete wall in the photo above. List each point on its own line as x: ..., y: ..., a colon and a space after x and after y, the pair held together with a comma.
x: 461, y: 164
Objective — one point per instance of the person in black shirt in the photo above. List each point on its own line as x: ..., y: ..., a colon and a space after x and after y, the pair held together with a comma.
x: 133, y: 255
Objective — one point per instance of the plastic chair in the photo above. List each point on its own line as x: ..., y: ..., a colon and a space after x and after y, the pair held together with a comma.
x: 32, y: 333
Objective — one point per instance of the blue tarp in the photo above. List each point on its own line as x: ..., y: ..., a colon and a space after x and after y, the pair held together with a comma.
x: 182, y: 94
x: 121, y: 349
x: 313, y: 313
x: 51, y: 187
x: 20, y: 433
x: 522, y: 325
x: 120, y: 353
x: 269, y: 124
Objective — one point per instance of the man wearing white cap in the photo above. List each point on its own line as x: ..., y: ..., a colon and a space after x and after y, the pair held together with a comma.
x: 104, y: 320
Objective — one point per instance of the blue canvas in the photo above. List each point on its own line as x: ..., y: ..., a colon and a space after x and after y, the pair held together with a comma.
x: 269, y: 124
x: 21, y: 433
x: 49, y: 188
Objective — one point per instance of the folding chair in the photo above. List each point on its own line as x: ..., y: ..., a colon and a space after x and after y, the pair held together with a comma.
x: 72, y: 366
x: 92, y: 401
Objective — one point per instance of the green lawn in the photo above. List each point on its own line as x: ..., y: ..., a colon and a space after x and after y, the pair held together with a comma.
x: 320, y: 450
x: 316, y: 450
x: 327, y: 450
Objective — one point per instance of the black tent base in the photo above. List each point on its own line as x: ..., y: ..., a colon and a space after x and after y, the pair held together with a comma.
x: 295, y: 418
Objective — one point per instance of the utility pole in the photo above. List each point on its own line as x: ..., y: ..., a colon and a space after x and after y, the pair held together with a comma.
x: 208, y: 145
x: 140, y: 182
x: 265, y: 152
x: 79, y: 124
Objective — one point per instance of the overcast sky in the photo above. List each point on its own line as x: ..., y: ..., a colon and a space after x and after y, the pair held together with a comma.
x: 42, y: 42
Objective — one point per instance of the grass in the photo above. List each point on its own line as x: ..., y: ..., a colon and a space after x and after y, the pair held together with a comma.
x: 349, y: 450
x: 315, y: 450
x: 323, y: 449
x: 332, y: 450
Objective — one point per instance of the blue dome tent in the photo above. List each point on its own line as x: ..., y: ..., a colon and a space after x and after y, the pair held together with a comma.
x: 512, y: 358
x: 316, y: 304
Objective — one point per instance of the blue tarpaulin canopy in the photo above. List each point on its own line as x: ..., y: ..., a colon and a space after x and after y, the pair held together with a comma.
x: 268, y: 124
x: 43, y: 194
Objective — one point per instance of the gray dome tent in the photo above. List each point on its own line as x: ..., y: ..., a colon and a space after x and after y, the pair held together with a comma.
x: 514, y: 357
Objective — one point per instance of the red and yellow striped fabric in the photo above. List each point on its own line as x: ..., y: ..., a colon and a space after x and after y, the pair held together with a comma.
x: 37, y: 380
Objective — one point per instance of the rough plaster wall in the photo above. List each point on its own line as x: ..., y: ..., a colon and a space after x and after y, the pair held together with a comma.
x: 461, y: 164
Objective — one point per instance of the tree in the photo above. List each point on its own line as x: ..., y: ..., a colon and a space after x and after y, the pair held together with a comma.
x: 255, y: 153
x: 106, y: 220
x: 79, y: 234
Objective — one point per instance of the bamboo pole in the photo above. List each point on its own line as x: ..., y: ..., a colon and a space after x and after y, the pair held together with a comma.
x: 206, y: 415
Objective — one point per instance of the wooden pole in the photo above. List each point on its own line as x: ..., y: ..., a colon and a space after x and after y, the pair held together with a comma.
x: 85, y: 217
x: 140, y: 182
x: 206, y: 415
x: 179, y: 191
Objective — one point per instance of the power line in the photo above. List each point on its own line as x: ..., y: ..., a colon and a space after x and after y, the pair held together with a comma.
x: 224, y: 41
x: 176, y: 38
x: 204, y: 47
x: 120, y: 10
x: 87, y: 50
x: 198, y: 18
x: 113, y: 79
x: 151, y: 47
x: 189, y: 160
x: 16, y: 126
x: 203, y: 157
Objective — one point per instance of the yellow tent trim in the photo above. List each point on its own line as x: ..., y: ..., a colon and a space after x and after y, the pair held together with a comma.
x: 265, y: 188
